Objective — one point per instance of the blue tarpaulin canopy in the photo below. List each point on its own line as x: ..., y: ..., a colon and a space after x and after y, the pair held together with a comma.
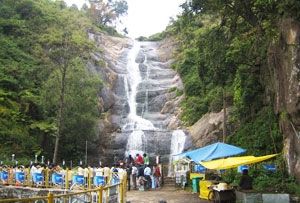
x: 213, y: 151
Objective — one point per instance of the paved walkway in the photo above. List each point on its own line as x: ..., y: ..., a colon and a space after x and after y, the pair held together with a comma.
x: 168, y: 195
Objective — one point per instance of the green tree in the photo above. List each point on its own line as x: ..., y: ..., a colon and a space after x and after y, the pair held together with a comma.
x: 42, y: 43
x: 106, y: 12
x: 64, y: 45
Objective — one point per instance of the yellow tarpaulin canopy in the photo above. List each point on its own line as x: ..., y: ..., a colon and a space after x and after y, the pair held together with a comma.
x: 233, y: 162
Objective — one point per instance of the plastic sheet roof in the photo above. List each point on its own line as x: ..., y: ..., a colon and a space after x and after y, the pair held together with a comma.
x: 233, y: 162
x: 213, y: 151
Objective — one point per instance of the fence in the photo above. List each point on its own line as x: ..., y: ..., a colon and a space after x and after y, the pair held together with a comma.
x: 106, y: 188
x: 112, y: 193
x: 64, y: 180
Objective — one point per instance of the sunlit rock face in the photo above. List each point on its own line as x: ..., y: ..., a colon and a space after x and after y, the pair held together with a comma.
x: 139, y: 99
x: 208, y: 129
x: 284, y: 66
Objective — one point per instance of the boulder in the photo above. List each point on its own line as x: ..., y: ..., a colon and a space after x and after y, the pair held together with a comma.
x: 208, y: 129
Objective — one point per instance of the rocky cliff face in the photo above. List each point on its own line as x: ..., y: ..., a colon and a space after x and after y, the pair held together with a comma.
x: 284, y: 63
x: 107, y: 62
x: 209, y: 129
x: 155, y: 100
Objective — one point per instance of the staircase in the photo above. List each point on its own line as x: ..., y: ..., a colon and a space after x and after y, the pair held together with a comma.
x: 168, y: 183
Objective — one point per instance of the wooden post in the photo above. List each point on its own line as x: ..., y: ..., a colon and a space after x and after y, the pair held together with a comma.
x: 50, y: 198
x: 47, y: 178
x: 121, y: 192
x: 67, y: 179
x: 89, y: 180
x: 100, y: 194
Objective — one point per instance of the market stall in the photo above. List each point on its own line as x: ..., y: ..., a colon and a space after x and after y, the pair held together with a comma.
x: 221, y: 191
x: 181, y: 171
x: 198, y: 173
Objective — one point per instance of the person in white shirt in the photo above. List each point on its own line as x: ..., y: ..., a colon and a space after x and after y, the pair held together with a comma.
x: 134, y: 173
x: 91, y: 173
x: 80, y: 171
x: 32, y: 170
x: 86, y: 174
x: 147, y: 174
x: 106, y: 173
x: 98, y: 171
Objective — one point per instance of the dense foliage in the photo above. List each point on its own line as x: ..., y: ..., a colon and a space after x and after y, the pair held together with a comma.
x: 46, y: 92
x: 222, y: 59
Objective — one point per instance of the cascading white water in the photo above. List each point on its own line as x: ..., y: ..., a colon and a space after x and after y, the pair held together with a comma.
x: 135, y: 143
x: 136, y: 123
x: 177, y: 146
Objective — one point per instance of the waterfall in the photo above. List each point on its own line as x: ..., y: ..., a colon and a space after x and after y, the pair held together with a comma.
x: 136, y: 124
x: 135, y: 143
x: 146, y: 85
x: 177, y: 146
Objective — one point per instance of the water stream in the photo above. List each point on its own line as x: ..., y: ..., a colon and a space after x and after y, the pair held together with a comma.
x: 136, y: 124
x: 146, y: 83
x: 177, y: 146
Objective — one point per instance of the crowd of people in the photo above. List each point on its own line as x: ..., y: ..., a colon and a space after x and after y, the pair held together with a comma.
x: 140, y: 175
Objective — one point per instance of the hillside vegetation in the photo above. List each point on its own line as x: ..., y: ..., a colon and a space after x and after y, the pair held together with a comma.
x: 222, y: 58
x: 46, y: 92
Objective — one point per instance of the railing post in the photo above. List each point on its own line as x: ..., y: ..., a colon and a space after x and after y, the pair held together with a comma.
x: 29, y: 178
x: 125, y: 187
x: 47, y: 178
x: 121, y: 191
x: 100, y: 194
x: 89, y: 180
x: 67, y: 179
x: 50, y: 198
x: 10, y: 176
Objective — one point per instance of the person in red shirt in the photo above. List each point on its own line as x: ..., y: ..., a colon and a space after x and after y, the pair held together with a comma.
x: 157, y: 176
x: 139, y: 159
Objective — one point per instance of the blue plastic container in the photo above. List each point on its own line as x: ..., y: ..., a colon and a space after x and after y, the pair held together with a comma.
x: 78, y: 179
x: 243, y: 167
x: 37, y: 178
x: 57, y: 179
x: 20, y: 177
x: 99, y: 181
x: 115, y: 180
x: 4, y: 175
x: 199, y: 168
x: 270, y: 167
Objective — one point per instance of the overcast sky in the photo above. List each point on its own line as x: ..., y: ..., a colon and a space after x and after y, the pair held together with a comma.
x: 145, y: 17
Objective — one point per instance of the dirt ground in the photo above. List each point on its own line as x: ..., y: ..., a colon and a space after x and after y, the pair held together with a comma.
x: 164, y: 196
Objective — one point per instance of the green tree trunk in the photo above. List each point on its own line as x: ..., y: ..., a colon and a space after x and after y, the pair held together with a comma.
x: 60, y: 116
x: 224, y: 116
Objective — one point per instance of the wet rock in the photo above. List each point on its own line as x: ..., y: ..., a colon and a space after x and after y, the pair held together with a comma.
x: 140, y: 57
x: 142, y: 67
x: 157, y: 103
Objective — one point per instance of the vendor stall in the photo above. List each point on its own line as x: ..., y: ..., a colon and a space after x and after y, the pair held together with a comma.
x: 198, y: 172
x: 221, y: 191
x: 181, y: 170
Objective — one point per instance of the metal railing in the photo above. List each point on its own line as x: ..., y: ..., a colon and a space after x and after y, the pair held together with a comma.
x: 113, y: 186
x: 115, y: 193
x: 50, y: 179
